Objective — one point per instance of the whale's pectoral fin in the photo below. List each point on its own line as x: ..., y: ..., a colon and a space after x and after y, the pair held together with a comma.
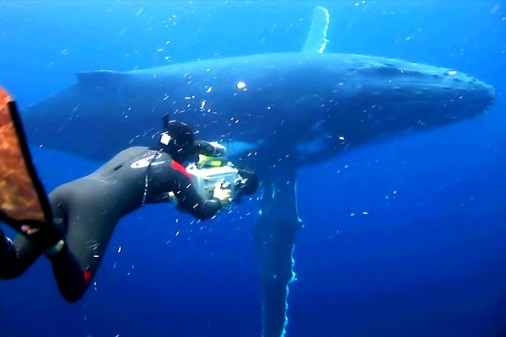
x: 316, y: 40
x: 274, y: 236
x: 278, y: 222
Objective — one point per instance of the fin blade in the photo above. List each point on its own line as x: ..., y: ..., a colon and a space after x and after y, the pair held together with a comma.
x: 22, y: 198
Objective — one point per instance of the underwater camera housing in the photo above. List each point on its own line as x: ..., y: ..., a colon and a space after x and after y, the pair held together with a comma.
x: 206, y: 174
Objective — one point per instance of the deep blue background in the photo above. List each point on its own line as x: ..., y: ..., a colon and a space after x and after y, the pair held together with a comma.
x: 404, y: 237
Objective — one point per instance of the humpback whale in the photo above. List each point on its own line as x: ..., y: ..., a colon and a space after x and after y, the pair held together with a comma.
x: 276, y: 113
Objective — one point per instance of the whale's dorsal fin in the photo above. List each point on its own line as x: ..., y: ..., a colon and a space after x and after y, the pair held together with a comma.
x: 316, y: 40
x: 99, y: 78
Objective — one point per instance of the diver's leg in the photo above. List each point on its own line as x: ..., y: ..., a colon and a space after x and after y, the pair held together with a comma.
x: 17, y: 256
x: 71, y: 280
x: 88, y: 232
x: 9, y: 261
x: 5, y: 243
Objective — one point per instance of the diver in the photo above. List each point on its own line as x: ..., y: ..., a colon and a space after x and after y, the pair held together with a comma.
x: 86, y: 211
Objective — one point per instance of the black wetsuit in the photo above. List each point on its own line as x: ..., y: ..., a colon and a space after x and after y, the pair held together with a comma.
x: 87, y: 210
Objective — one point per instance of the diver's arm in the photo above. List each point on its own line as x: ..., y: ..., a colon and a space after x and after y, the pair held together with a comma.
x: 171, y: 181
x: 189, y: 200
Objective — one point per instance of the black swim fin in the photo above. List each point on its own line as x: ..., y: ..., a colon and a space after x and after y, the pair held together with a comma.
x: 22, y: 196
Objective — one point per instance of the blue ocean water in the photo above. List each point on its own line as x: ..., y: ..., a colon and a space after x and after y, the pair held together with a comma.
x: 404, y: 237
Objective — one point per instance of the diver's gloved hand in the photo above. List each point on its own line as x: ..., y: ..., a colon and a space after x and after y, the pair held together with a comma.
x: 223, y: 193
x: 46, y: 238
x: 209, y: 149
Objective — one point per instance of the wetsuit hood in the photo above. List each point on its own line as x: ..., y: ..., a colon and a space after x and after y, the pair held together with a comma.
x: 177, y: 139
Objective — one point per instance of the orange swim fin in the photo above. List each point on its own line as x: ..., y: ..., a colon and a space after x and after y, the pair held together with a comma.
x: 22, y: 196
